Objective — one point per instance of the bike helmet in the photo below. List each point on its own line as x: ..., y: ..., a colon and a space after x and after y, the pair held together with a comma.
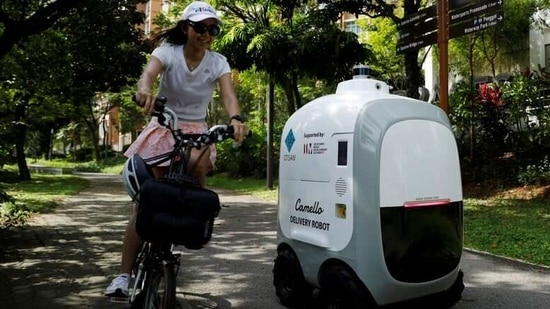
x: 134, y: 174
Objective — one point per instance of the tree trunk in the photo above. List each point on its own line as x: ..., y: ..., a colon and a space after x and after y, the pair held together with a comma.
x: 105, y: 141
x: 46, y: 137
x: 289, y: 93
x: 296, y: 92
x: 413, y: 73
x: 20, y: 133
x: 92, y: 130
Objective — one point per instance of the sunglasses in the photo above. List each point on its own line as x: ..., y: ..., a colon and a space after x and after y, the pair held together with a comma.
x: 201, y: 28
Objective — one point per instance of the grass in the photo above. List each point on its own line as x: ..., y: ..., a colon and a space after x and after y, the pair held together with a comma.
x: 515, y: 228
x: 515, y: 225
x: 41, y: 194
x: 110, y: 166
x: 255, y: 187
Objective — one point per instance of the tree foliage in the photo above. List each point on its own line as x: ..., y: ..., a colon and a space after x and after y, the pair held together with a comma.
x: 51, y: 79
x: 21, y: 19
x: 500, y: 122
x: 394, y: 11
x: 290, y: 41
x: 380, y: 35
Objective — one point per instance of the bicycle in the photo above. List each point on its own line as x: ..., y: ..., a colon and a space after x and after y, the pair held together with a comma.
x: 163, y: 226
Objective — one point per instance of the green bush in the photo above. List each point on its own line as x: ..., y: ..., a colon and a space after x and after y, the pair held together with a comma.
x: 536, y: 174
x: 59, y: 156
x: 11, y: 214
x: 250, y: 158
x: 82, y: 155
x: 497, y: 135
x: 90, y: 167
x: 4, y: 196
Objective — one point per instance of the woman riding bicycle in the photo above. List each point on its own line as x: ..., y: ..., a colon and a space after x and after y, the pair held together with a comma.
x: 189, y: 73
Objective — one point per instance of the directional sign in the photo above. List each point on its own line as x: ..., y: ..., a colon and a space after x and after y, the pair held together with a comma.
x: 476, y: 24
x: 419, y: 42
x: 481, y: 8
x: 421, y: 15
x: 476, y: 17
x: 417, y: 30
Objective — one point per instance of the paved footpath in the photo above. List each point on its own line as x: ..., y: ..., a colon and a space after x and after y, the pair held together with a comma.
x: 66, y: 259
x: 62, y: 259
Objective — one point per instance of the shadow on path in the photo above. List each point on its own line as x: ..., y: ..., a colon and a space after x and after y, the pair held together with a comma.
x: 64, y: 259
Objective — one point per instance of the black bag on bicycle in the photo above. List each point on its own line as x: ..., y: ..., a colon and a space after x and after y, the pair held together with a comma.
x: 180, y: 214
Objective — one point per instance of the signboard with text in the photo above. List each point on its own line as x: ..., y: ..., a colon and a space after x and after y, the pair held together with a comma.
x: 464, y: 17
x: 476, y: 17
x: 476, y: 24
x: 417, y: 30
x: 418, y: 42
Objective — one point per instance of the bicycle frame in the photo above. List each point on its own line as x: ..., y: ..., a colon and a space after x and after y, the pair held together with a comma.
x: 151, y: 255
x: 157, y: 258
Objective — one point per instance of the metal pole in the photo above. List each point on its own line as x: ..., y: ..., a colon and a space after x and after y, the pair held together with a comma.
x: 442, y: 41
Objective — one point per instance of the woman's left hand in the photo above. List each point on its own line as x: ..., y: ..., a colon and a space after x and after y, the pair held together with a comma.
x: 240, y: 130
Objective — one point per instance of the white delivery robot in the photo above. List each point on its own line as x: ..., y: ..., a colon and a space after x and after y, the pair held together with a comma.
x: 370, y: 201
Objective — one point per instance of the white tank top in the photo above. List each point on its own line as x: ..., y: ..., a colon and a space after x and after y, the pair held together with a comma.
x: 189, y: 92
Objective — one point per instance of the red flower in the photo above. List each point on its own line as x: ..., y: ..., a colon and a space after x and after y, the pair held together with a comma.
x: 490, y: 94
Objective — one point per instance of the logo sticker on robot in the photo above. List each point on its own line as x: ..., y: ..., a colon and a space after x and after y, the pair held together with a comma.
x: 316, y: 147
x: 289, y: 140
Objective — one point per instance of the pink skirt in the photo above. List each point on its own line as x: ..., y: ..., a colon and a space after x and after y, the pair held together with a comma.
x: 155, y: 140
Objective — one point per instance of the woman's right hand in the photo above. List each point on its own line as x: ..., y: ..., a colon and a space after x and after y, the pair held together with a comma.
x: 145, y: 99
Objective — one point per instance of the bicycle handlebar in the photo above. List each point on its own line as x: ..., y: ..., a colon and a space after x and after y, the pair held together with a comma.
x: 168, y: 118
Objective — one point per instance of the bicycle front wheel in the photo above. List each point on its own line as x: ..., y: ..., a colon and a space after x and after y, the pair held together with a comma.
x: 160, y: 288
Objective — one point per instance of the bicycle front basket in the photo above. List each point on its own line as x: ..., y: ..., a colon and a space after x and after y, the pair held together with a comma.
x: 183, y: 215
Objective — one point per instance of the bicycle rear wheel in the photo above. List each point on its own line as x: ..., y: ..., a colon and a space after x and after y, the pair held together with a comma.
x: 160, y: 288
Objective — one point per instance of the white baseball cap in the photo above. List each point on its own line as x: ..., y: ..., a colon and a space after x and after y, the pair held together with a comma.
x: 199, y: 11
